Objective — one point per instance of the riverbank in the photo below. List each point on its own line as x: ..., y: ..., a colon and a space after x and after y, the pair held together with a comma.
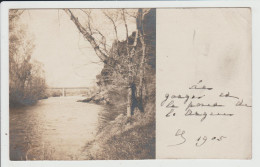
x: 119, y: 137
x: 124, y: 138
x: 100, y: 97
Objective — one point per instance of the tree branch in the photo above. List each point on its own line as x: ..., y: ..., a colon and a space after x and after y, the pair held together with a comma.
x: 88, y: 36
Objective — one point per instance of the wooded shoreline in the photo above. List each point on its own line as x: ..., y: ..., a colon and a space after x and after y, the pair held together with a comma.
x: 126, y: 83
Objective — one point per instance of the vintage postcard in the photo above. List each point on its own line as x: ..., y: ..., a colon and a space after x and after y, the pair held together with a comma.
x: 129, y: 83
x: 82, y: 84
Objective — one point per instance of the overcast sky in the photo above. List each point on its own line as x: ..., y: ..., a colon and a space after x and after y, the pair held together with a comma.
x: 67, y: 56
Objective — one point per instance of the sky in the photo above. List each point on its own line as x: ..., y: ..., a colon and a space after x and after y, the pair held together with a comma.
x: 68, y: 59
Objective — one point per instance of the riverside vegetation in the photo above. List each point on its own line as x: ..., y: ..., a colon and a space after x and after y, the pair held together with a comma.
x: 127, y: 85
x: 26, y: 76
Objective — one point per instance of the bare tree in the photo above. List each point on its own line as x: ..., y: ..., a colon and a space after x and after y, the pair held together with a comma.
x: 98, y: 42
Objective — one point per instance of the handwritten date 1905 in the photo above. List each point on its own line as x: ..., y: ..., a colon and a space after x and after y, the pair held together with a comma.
x: 199, y: 141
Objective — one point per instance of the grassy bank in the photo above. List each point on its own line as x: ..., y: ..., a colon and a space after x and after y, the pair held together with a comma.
x: 124, y: 138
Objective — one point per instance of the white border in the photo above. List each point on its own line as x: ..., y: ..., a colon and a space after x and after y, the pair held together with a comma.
x: 254, y: 5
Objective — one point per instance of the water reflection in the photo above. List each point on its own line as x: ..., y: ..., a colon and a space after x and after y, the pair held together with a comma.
x: 56, y: 128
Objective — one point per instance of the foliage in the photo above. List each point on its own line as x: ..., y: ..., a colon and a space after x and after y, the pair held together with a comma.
x: 128, y: 62
x: 124, y: 138
x: 118, y: 79
x: 26, y: 77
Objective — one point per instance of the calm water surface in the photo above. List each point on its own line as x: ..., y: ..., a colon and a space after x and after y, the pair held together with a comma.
x: 57, y: 128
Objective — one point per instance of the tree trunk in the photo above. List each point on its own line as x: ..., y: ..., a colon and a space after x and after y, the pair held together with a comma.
x: 142, y: 65
x: 130, y: 92
x: 132, y: 101
x: 129, y: 102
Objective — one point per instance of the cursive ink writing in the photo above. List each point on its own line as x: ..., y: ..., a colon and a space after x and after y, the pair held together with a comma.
x: 169, y: 114
x: 196, y: 86
x: 204, y: 114
x: 180, y: 133
x: 188, y: 106
x: 220, y: 114
x: 171, y: 105
x: 240, y: 103
x: 227, y: 95
x: 166, y: 98
x: 203, y: 105
x: 187, y: 97
x: 191, y: 113
x: 202, y: 140
x: 199, y: 141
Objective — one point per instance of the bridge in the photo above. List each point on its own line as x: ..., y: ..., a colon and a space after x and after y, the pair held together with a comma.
x: 64, y: 89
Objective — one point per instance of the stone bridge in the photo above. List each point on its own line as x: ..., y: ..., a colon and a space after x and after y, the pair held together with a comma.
x: 64, y: 89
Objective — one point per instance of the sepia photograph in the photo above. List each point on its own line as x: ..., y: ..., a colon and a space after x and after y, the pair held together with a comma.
x: 82, y: 84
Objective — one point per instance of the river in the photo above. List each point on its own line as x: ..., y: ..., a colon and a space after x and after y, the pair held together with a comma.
x: 56, y: 128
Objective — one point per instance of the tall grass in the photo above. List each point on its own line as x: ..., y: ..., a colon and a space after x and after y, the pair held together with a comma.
x: 120, y: 137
